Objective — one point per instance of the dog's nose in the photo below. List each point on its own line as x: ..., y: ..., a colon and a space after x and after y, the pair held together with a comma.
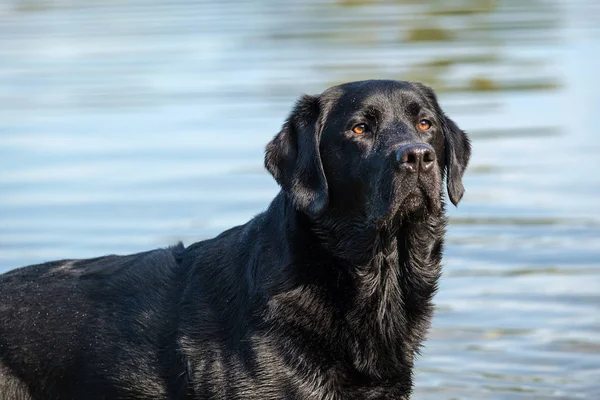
x: 415, y: 157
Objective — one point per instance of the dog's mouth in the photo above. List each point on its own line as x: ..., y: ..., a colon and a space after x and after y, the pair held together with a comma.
x: 418, y: 198
x: 404, y: 196
x: 417, y: 195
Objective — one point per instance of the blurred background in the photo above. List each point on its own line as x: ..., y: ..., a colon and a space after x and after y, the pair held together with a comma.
x: 127, y: 125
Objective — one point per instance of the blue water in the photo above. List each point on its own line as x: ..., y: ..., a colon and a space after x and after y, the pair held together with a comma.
x: 129, y: 125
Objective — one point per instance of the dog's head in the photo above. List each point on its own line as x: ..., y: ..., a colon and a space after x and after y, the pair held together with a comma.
x: 373, y: 150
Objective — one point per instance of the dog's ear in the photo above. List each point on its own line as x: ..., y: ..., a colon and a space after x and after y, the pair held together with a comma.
x: 457, y: 148
x: 458, y: 153
x: 294, y: 160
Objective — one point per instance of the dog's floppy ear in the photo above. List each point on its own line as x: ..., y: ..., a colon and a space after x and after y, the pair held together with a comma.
x: 458, y: 152
x: 294, y: 160
x: 457, y: 148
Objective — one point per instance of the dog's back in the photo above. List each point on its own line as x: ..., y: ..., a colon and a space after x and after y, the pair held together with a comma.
x: 73, y: 326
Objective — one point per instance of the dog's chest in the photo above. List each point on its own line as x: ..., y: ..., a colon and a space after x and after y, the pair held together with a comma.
x: 269, y: 369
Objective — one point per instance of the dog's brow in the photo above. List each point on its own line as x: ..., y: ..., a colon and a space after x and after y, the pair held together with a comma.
x: 372, y: 111
x: 413, y: 108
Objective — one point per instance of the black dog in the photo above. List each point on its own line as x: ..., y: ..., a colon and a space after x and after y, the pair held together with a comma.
x: 326, y: 295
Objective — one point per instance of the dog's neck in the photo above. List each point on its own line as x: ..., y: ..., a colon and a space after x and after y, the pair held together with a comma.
x: 383, y: 280
x: 393, y: 304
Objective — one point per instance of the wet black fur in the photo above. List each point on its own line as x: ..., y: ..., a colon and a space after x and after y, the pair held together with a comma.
x: 326, y: 295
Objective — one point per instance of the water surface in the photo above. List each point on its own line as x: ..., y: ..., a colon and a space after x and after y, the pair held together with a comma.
x: 128, y: 125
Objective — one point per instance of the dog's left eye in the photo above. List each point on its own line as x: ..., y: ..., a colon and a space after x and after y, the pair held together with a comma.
x: 424, y: 124
x: 359, y: 129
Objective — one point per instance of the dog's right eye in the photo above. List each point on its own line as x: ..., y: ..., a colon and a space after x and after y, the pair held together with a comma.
x: 424, y: 124
x: 359, y: 129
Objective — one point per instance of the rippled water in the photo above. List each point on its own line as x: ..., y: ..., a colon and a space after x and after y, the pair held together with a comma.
x: 128, y: 125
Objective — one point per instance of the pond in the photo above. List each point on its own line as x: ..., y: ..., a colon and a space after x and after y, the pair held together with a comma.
x: 129, y: 125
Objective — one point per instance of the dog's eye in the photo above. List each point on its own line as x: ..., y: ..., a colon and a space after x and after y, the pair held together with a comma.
x: 359, y: 129
x: 424, y: 124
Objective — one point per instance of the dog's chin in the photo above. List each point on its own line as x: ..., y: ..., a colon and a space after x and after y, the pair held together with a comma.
x: 410, y: 201
x: 415, y: 201
x: 419, y: 201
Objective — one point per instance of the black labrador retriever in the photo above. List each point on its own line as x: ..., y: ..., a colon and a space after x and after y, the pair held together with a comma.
x: 326, y: 295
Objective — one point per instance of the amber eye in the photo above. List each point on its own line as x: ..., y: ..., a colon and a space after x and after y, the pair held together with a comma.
x: 359, y: 129
x: 424, y: 124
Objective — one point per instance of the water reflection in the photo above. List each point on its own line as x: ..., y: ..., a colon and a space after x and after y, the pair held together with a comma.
x: 130, y: 125
x: 483, y: 46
